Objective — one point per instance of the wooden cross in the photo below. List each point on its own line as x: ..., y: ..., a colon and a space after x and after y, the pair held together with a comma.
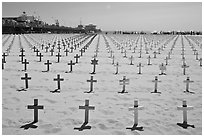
x: 149, y: 58
x: 155, y: 86
x: 87, y: 108
x: 134, y: 49
x: 58, y: 79
x: 200, y: 62
x: 91, y: 84
x: 35, y: 107
x: 81, y: 51
x: 187, y: 81
x: 140, y: 65
x: 111, y: 54
x: 64, y: 46
x: 162, y: 67
x: 72, y: 48
x: 48, y: 65
x: 71, y: 64
x: 113, y: 60
x: 117, y: 65
x: 166, y: 60
x: 135, y: 109
x: 125, y: 52
x: 58, y: 57
x: 34, y: 49
x: 184, y: 66
x: 58, y: 48
x: 3, y: 61
x: 26, y: 78
x: 94, y: 62
x: 25, y: 64
x: 185, y: 108
x: 155, y: 54
x: 196, y: 55
x: 22, y: 55
x: 22, y: 50
x: 37, y: 51
x: 42, y: 46
x: 66, y: 52
x: 131, y: 59
x: 46, y: 49
x: 140, y: 54
x: 40, y: 56
x: 51, y: 51
x: 4, y: 57
x: 123, y: 82
x: 77, y: 58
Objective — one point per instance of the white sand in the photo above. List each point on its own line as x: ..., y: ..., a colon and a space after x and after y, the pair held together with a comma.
x: 111, y: 114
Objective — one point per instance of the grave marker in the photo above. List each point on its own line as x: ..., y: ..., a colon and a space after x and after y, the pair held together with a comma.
x: 71, y: 64
x: 77, y: 58
x: 86, y: 107
x: 166, y: 60
x: 131, y: 59
x: 40, y: 57
x: 162, y: 67
x: 140, y: 66
x: 66, y: 52
x: 135, y: 109
x: 149, y: 58
x: 51, y: 51
x: 3, y: 61
x: 94, y: 62
x: 35, y: 107
x: 58, y: 79
x: 117, y: 65
x: 124, y: 82
x: 156, y: 83
x: 58, y: 57
x: 26, y: 78
x: 113, y: 60
x: 184, y: 66
x: 184, y: 108
x: 48, y: 65
x: 187, y: 81
x: 25, y: 64
x: 22, y: 55
x: 91, y: 84
x: 4, y: 57
x: 200, y: 62
x: 155, y: 54
x: 125, y: 54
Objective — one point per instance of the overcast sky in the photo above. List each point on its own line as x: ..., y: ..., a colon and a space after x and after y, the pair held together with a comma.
x: 114, y: 16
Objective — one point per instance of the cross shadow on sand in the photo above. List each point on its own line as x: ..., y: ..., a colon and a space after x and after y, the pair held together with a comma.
x: 185, y: 125
x: 29, y: 125
x: 22, y: 89
x: 83, y: 126
x: 55, y: 91
x: 135, y: 127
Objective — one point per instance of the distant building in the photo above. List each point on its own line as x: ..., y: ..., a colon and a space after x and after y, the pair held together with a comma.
x: 90, y: 28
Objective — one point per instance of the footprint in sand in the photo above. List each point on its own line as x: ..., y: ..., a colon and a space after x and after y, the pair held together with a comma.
x: 50, y: 101
x: 52, y: 131
x: 103, y: 127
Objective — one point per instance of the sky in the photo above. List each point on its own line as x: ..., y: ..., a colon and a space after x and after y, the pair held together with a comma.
x: 126, y: 16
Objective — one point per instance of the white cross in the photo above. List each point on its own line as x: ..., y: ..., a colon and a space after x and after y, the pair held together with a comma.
x: 187, y: 81
x: 135, y: 109
x: 162, y: 67
x: 124, y: 82
x: 155, y: 86
x: 184, y: 108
